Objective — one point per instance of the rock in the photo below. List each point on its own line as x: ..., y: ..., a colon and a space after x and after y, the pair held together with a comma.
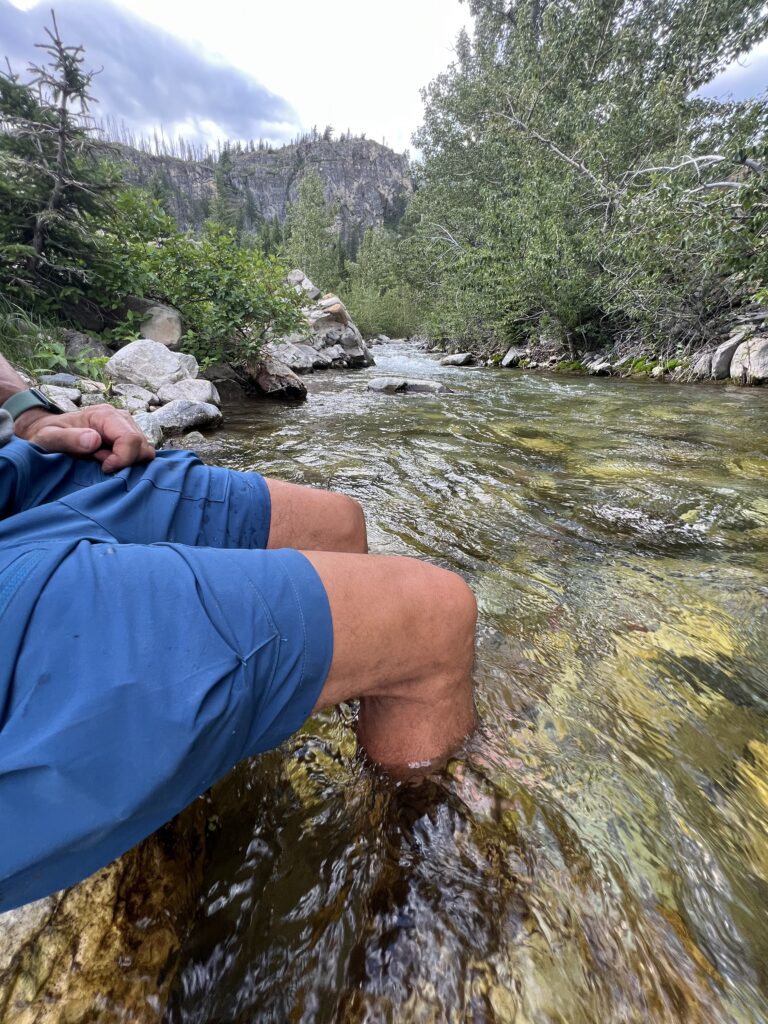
x: 702, y: 368
x: 59, y: 380
x: 404, y: 385
x: 66, y: 398
x: 657, y: 371
x: 93, y: 399
x: 750, y: 361
x: 275, y: 379
x: 107, y: 949
x: 149, y: 428
x: 302, y: 284
x: 723, y: 355
x: 336, y: 354
x: 300, y: 358
x: 90, y: 387
x: 514, y: 354
x: 135, y: 392
x: 159, y: 322
x: 189, y: 365
x: 133, y: 405
x: 600, y: 368
x: 181, y: 415
x: 193, y: 390
x: 83, y: 346
x: 150, y: 364
x: 458, y: 359
x: 194, y: 437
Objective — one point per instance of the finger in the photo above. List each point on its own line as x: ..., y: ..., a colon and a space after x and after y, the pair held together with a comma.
x: 127, y: 449
x: 68, y: 440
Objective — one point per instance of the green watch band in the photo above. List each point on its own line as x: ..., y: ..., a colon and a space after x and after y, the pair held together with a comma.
x: 31, y: 399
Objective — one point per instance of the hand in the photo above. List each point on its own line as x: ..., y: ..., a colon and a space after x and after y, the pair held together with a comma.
x: 107, y: 434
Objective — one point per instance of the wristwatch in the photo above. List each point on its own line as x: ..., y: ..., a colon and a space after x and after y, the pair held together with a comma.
x: 22, y: 401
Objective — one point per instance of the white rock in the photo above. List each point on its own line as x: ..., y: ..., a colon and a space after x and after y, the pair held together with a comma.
x: 601, y: 368
x: 198, y: 390
x: 405, y: 385
x: 514, y: 354
x: 458, y: 359
x: 189, y: 364
x: 702, y: 368
x: 723, y: 355
x: 149, y: 364
x: 149, y: 428
x: 657, y: 371
x: 136, y: 392
x: 61, y: 395
x: 750, y: 361
x: 159, y: 322
x: 181, y: 415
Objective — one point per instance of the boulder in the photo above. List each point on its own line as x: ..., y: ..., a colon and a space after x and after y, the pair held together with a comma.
x: 83, y: 346
x: 336, y: 354
x: 750, y: 361
x: 302, y: 285
x: 275, y: 379
x: 514, y: 354
x: 159, y: 322
x: 149, y: 428
x: 182, y: 415
x: 300, y: 358
x: 600, y: 368
x: 150, y: 364
x: 723, y: 355
x: 90, y: 387
x: 193, y: 390
x: 702, y: 368
x: 66, y: 398
x: 194, y: 437
x: 137, y: 393
x: 458, y: 359
x: 107, y: 949
x: 404, y: 385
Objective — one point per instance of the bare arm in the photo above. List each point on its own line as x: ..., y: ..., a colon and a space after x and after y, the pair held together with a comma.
x: 107, y: 434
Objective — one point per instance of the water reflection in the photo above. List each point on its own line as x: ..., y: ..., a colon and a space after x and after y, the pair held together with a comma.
x: 601, y: 852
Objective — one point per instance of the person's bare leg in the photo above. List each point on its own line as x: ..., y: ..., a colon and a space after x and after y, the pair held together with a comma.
x: 315, y: 520
x: 404, y: 644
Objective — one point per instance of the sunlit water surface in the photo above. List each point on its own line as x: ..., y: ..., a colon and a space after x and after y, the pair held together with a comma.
x: 601, y: 855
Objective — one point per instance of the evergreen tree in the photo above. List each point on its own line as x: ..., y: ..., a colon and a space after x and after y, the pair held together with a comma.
x: 312, y: 238
x: 51, y: 180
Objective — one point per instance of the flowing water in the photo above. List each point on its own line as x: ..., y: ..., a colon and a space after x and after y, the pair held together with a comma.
x: 601, y: 853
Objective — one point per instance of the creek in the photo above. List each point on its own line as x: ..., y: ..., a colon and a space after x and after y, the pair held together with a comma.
x: 601, y: 853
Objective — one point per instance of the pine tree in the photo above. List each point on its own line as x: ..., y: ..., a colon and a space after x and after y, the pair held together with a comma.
x: 51, y: 180
x: 312, y: 236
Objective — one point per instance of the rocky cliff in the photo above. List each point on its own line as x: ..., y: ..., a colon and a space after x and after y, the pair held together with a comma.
x: 369, y: 182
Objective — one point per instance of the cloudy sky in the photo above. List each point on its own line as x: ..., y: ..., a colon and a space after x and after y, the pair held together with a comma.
x: 234, y: 69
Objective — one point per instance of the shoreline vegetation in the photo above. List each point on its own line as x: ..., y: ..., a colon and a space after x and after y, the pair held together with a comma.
x: 577, y: 205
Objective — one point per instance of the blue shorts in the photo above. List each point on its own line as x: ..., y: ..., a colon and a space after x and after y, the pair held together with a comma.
x: 148, y: 643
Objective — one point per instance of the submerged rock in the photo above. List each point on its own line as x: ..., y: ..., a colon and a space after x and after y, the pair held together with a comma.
x: 106, y: 950
x: 403, y: 385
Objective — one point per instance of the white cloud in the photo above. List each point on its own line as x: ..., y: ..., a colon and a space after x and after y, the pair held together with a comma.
x: 349, y: 63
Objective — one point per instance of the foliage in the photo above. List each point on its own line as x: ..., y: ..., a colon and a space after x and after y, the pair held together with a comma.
x: 229, y: 296
x: 378, y: 293
x: 51, y: 182
x: 312, y: 240
x: 572, y: 180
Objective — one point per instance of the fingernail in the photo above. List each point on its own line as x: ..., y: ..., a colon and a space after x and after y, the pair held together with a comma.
x: 88, y: 440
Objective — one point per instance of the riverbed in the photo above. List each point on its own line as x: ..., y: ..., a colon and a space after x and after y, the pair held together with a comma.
x: 600, y: 854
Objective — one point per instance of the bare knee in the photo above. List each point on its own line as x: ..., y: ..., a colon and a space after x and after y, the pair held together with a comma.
x: 351, y: 525
x: 456, y: 614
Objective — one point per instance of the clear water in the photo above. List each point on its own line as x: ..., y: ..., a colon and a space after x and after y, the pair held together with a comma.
x: 601, y: 855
